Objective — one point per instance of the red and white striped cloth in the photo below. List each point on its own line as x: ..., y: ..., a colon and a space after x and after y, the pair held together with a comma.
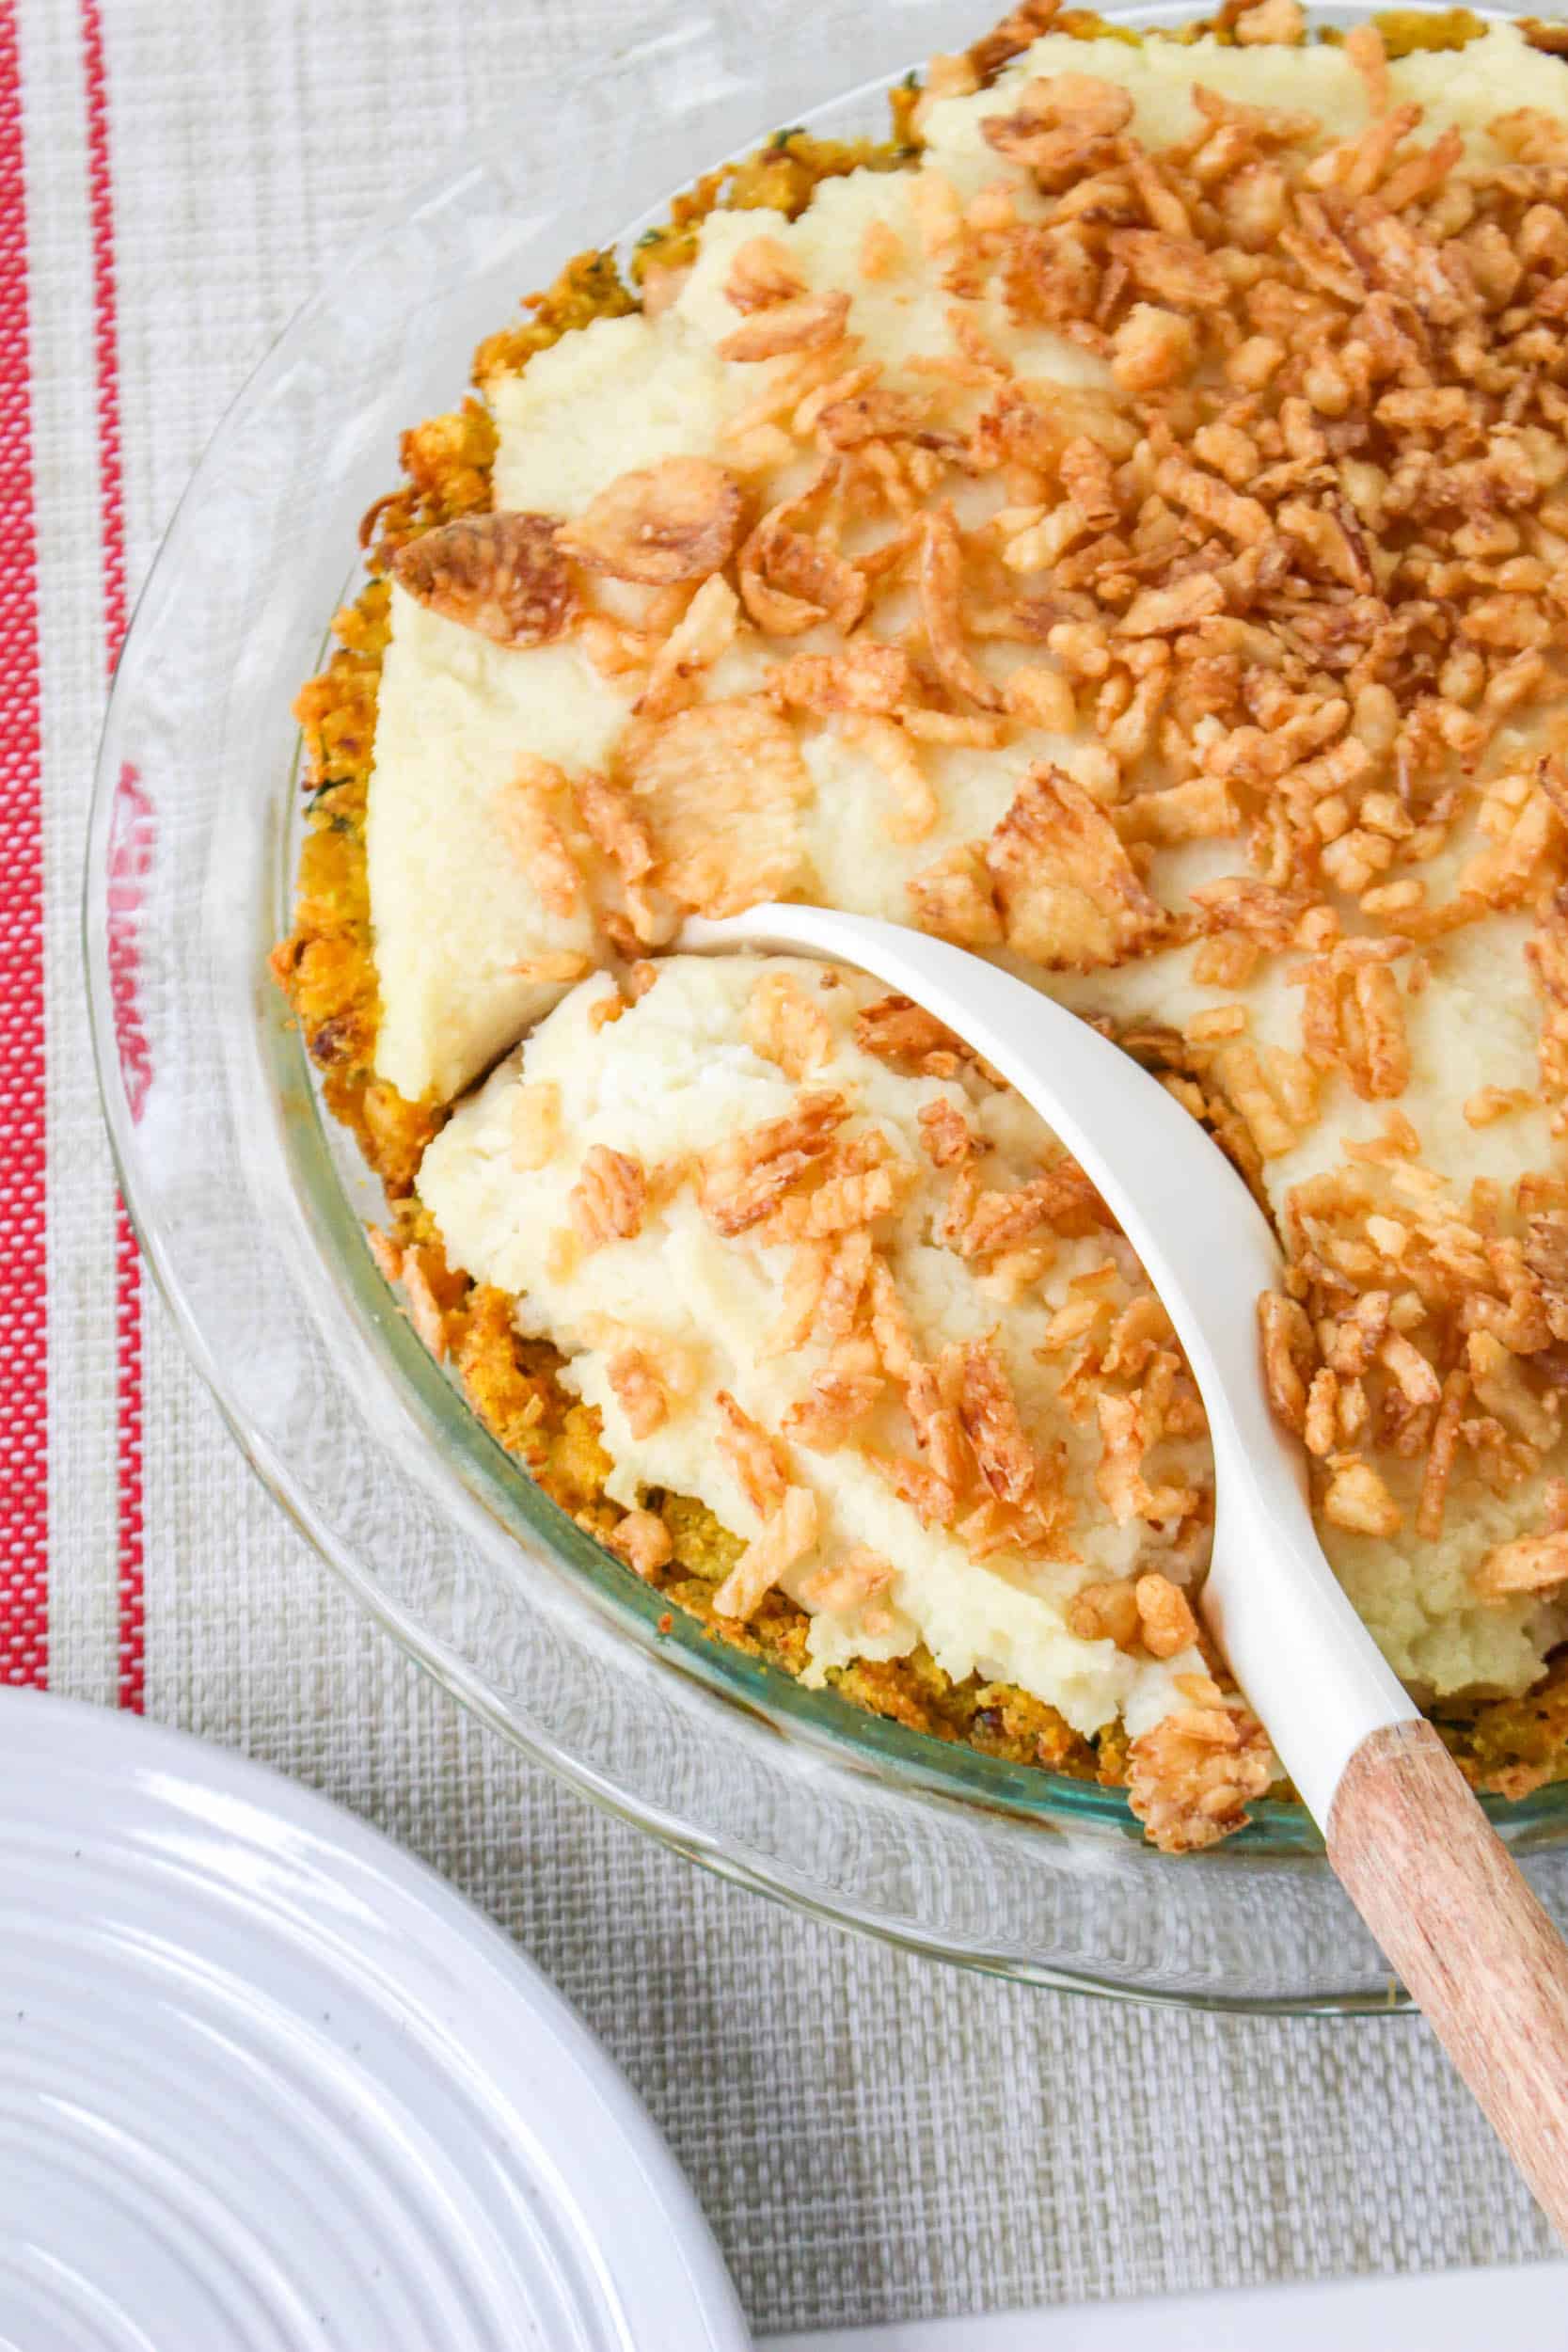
x: 874, y: 2138
x: 38, y: 812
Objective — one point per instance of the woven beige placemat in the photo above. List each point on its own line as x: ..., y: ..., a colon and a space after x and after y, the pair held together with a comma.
x: 873, y: 2136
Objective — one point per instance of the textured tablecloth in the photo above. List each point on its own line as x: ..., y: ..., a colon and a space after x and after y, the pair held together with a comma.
x: 873, y: 2136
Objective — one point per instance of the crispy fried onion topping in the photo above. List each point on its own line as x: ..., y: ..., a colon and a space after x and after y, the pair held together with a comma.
x: 803, y: 322
x: 1063, y: 127
x: 660, y: 524
x: 499, y: 574
x: 644, y: 1542
x: 789, y: 1534
x: 1068, y: 895
x: 719, y: 787
x: 1423, y: 1328
x: 741, y: 1180
x: 609, y: 1197
x: 790, y: 580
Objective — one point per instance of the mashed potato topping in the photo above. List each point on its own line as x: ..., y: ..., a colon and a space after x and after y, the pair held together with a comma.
x: 455, y: 905
x: 1129, y: 543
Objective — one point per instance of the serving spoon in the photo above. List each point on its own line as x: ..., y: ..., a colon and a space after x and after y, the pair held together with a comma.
x: 1411, y: 1846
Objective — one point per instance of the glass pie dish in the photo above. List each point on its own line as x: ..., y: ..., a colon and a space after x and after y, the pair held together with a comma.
x: 251, y: 1206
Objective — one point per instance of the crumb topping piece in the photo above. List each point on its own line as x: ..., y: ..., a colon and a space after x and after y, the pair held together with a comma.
x: 1191, y: 1778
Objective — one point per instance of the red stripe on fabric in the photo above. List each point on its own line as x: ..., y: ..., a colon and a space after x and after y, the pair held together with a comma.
x: 132, y: 839
x: 128, y: 1276
x: 24, y: 1302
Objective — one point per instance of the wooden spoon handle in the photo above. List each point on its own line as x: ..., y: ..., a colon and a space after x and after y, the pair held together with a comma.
x: 1453, y: 1912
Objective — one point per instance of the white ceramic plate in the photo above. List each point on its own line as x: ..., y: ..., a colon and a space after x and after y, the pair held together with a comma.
x: 267, y: 2083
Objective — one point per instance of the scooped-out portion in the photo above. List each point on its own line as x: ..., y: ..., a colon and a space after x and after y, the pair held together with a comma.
x: 814, y: 1268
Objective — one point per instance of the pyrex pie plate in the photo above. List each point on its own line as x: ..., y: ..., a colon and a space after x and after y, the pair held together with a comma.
x: 250, y: 1205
